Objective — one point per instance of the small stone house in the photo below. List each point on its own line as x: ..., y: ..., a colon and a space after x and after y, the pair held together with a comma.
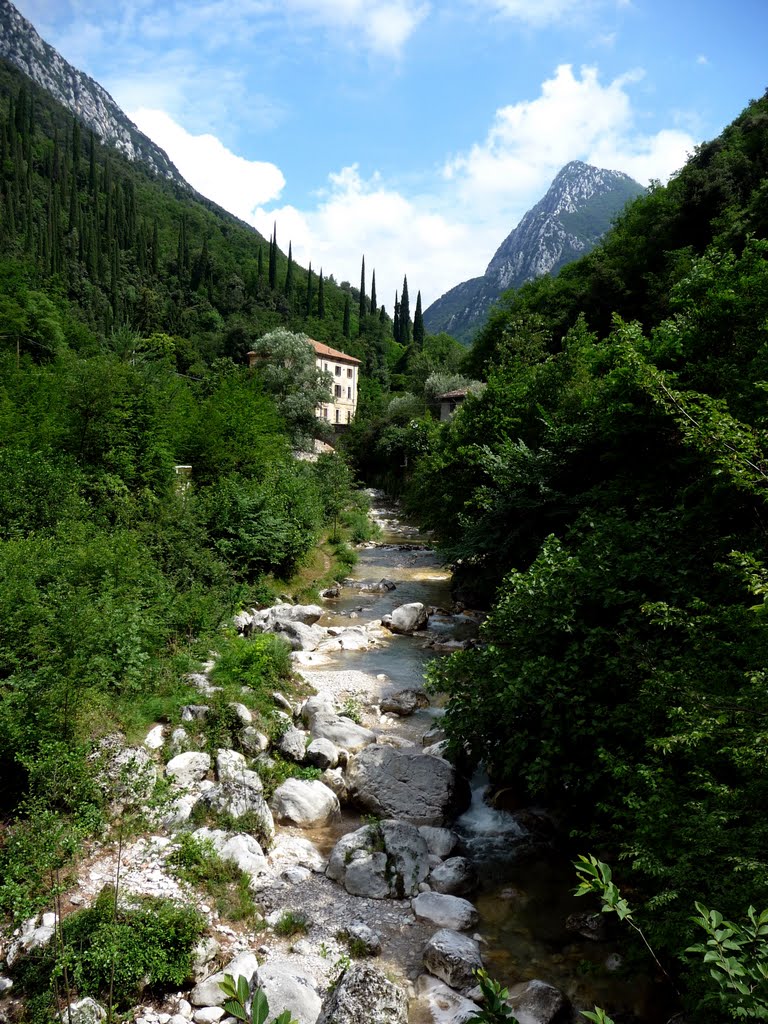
x: 450, y: 402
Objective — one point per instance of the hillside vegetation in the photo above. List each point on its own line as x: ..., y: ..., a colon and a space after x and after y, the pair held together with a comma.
x: 605, y: 495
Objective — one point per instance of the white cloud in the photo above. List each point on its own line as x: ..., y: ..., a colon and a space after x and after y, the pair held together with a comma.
x: 702, y: 59
x: 533, y: 12
x: 383, y: 25
x: 574, y: 117
x: 449, y: 232
x: 237, y: 184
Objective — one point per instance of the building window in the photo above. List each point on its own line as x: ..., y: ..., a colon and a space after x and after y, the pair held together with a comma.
x: 350, y: 372
x: 338, y: 371
x: 337, y: 390
x: 325, y: 412
x: 349, y: 392
x: 337, y: 415
x: 349, y: 415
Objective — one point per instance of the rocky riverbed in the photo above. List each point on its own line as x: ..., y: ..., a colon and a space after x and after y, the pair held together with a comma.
x: 381, y: 855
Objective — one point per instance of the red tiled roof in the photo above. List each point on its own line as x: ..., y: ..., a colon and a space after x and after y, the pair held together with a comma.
x: 460, y: 393
x: 332, y: 353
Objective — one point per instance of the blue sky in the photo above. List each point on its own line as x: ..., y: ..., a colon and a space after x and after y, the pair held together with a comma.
x: 415, y: 132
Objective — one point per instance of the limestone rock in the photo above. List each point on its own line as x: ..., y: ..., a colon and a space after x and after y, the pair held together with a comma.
x: 407, y: 619
x: 155, y: 738
x: 455, y: 876
x: 322, y: 754
x: 364, y: 995
x: 293, y: 744
x: 404, y: 702
x: 537, y: 1002
x: 365, y: 937
x: 304, y: 803
x: 440, y: 841
x: 386, y: 860
x: 85, y: 1011
x: 252, y: 741
x: 186, y: 769
x: 405, y: 784
x: 443, y: 1005
x: 453, y: 958
x: 287, y: 988
x: 445, y: 911
x: 209, y: 993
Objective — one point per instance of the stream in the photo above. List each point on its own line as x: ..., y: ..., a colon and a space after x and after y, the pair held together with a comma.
x: 525, y: 893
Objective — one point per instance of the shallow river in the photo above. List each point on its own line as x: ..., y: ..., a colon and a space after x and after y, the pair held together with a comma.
x: 525, y: 895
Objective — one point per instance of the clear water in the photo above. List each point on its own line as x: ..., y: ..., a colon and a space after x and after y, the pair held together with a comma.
x: 526, y: 895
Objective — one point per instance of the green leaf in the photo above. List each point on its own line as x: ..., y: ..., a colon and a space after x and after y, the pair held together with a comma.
x: 260, y: 1007
x: 236, y: 1009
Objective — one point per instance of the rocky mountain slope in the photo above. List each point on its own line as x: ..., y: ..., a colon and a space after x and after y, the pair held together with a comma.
x: 22, y: 46
x: 567, y: 223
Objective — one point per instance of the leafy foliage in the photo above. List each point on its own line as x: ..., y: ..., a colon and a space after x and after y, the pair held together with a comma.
x: 238, y: 997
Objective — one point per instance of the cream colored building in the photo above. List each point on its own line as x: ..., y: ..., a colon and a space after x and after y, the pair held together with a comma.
x: 345, y: 371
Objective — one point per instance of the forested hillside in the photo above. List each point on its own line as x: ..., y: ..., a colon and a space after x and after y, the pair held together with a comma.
x: 126, y: 311
x: 605, y: 495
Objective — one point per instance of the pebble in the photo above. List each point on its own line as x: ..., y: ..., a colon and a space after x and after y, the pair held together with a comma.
x: 209, y: 1015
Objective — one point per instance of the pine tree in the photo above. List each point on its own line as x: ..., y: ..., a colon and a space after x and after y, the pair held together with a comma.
x: 92, y: 166
x: 345, y: 323
x: 321, y: 297
x: 273, y: 258
x: 418, y: 325
x: 361, y: 308
x: 405, y: 315
x: 374, y: 307
x: 76, y: 143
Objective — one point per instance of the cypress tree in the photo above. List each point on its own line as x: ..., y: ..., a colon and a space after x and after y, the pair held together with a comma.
x: 75, y: 150
x: 383, y: 315
x: 418, y: 325
x: 260, y: 267
x: 321, y: 297
x: 361, y: 309
x: 92, y: 166
x: 405, y: 315
x: 155, y: 246
x: 289, y: 274
x: 396, y: 321
x: 273, y: 258
x: 308, y: 306
x: 374, y: 306
x: 345, y: 323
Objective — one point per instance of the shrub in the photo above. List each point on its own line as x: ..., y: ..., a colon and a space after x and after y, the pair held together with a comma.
x: 118, y: 949
x: 292, y: 923
x: 196, y: 861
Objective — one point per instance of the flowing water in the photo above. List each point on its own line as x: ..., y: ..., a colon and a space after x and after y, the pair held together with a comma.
x: 526, y: 887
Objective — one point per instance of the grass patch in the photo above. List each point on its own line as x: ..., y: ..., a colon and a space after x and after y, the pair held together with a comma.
x: 292, y: 922
x: 275, y: 770
x: 195, y: 861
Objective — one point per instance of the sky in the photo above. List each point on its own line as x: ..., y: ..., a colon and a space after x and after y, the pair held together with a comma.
x: 415, y: 133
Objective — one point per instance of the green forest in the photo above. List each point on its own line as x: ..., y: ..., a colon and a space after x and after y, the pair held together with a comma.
x: 601, y: 492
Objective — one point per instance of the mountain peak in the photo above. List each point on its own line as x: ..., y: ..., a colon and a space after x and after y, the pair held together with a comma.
x: 566, y: 223
x: 22, y: 46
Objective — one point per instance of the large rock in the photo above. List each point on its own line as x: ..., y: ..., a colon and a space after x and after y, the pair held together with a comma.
x: 241, y: 849
x: 229, y: 764
x: 365, y: 995
x: 407, y: 619
x: 406, y: 784
x: 455, y: 876
x: 322, y: 754
x: 304, y: 803
x: 295, y: 851
x: 445, y: 911
x: 209, y: 993
x: 441, y: 841
x: 404, y: 702
x: 341, y: 731
x: 186, y: 769
x: 288, y: 988
x: 386, y: 860
x: 242, y: 795
x: 537, y: 1002
x: 299, y: 636
x: 453, y: 958
x: 293, y: 744
x: 442, y: 1004
x: 264, y: 620
x: 127, y: 774
x: 85, y: 1011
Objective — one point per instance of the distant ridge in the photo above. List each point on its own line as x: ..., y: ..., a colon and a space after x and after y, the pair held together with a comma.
x: 22, y: 46
x: 566, y: 223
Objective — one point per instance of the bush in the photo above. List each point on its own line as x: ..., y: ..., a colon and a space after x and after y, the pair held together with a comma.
x: 196, y: 861
x: 262, y: 663
x: 121, y: 950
